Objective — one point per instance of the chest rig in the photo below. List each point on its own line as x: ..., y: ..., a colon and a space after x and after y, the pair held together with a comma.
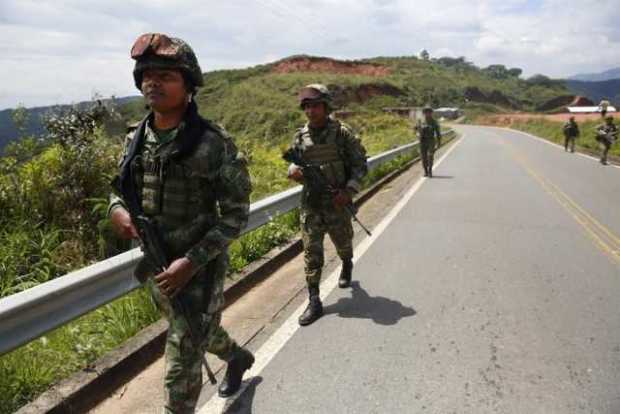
x: 325, y: 149
x: 427, y: 130
x: 171, y: 192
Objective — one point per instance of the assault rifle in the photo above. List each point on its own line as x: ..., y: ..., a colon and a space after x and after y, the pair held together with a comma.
x: 315, y: 179
x: 151, y: 244
x: 608, y: 137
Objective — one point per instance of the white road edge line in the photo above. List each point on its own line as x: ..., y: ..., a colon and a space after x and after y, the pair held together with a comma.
x: 277, y: 341
x: 554, y: 144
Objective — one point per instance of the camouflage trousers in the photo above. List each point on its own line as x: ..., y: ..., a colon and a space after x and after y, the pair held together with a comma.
x: 314, y: 224
x: 569, y: 143
x: 202, y: 300
x: 427, y: 153
x: 605, y: 147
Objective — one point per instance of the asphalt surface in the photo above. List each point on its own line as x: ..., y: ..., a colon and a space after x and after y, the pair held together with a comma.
x: 494, y: 290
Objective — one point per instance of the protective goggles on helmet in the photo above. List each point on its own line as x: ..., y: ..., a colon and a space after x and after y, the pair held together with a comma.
x: 154, y: 43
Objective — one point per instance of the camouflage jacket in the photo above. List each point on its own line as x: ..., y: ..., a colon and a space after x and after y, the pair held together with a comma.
x: 571, y: 129
x: 607, y: 131
x: 200, y: 200
x: 427, y: 130
x: 346, y: 166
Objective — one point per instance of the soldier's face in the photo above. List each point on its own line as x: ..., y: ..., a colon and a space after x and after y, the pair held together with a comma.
x: 164, y: 90
x: 428, y: 115
x: 316, y: 112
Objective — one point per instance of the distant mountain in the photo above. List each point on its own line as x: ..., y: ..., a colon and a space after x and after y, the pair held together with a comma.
x: 598, y: 77
x: 596, y: 91
x: 9, y: 133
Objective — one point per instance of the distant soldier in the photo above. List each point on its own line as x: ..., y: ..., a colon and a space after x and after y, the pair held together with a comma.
x: 427, y: 131
x: 330, y: 145
x: 603, y: 107
x: 185, y: 174
x: 571, y: 132
x: 606, y: 135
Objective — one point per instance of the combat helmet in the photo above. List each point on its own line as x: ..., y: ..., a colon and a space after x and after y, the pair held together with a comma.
x: 315, y: 92
x: 427, y: 108
x: 159, y: 51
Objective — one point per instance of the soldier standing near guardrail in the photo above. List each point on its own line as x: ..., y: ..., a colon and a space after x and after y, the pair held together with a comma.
x: 606, y: 135
x: 427, y: 130
x: 189, y: 180
x: 331, y: 146
x: 571, y: 132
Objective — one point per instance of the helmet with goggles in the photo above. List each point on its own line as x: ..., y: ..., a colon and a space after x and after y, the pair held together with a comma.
x: 159, y: 51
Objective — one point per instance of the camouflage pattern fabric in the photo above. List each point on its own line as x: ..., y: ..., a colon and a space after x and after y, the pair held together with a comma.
x: 185, y: 60
x: 571, y: 132
x: 314, y: 224
x: 202, y: 299
x: 318, y: 213
x: 602, y: 133
x: 428, y: 132
x: 200, y: 203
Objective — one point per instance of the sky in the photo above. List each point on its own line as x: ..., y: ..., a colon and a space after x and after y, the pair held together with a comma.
x: 66, y: 51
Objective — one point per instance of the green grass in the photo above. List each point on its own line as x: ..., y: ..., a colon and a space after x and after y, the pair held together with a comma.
x: 552, y: 131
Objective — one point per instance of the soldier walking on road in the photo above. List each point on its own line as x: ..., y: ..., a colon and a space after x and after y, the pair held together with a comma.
x: 190, y: 181
x: 331, y: 146
x: 571, y: 132
x: 427, y: 131
x: 606, y: 135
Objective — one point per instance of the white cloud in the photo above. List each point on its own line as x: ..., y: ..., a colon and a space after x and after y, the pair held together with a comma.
x: 63, y: 50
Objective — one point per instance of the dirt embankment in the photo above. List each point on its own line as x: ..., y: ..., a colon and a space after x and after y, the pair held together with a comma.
x: 362, y: 93
x: 326, y: 65
x: 474, y: 94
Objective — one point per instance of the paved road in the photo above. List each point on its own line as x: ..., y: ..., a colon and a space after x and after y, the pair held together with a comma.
x: 494, y: 290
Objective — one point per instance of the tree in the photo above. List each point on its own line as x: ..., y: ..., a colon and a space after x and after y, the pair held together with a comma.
x: 424, y: 55
x: 496, y: 71
x: 515, y: 72
x: 20, y: 117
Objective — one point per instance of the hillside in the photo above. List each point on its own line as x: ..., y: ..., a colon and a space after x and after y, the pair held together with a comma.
x: 597, y: 77
x: 34, y: 125
x: 258, y: 104
x: 596, y: 91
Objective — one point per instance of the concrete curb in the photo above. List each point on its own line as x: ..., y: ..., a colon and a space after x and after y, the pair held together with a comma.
x: 87, y: 388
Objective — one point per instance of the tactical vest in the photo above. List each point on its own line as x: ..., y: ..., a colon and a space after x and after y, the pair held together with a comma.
x: 327, y: 155
x: 426, y: 130
x: 181, y: 202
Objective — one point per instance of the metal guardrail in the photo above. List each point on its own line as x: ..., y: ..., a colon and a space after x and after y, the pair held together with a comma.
x: 27, y: 315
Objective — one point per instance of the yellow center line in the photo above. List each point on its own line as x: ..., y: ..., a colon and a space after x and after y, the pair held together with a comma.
x: 603, y: 237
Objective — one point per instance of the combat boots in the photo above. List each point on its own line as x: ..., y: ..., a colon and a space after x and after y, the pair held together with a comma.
x: 240, y: 362
x: 315, y: 308
x: 345, y: 274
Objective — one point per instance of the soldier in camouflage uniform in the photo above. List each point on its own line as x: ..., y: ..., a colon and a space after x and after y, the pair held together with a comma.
x: 571, y: 132
x: 194, y: 185
x: 427, y: 130
x: 606, y: 135
x: 330, y: 145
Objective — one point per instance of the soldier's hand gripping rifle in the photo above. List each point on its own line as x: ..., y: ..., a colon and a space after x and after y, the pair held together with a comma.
x: 153, y: 248
x: 608, y: 137
x: 314, y: 178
